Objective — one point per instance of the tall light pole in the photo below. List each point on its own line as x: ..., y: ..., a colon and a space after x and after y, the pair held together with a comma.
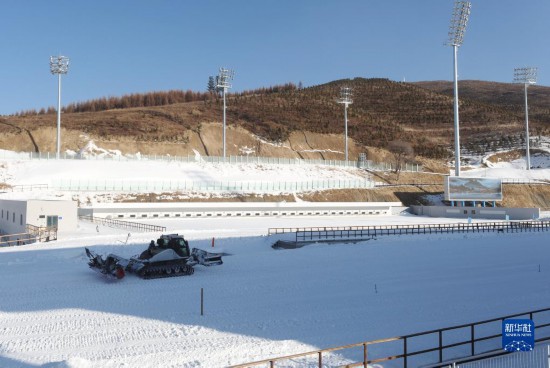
x: 526, y: 76
x: 461, y: 14
x: 224, y: 79
x: 59, y: 65
x: 345, y: 98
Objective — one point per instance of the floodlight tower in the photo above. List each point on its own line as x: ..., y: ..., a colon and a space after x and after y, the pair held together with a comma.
x: 224, y: 79
x: 345, y: 98
x: 461, y: 14
x: 526, y: 76
x: 59, y: 65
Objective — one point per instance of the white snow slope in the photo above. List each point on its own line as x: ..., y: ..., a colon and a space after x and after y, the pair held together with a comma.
x: 261, y: 303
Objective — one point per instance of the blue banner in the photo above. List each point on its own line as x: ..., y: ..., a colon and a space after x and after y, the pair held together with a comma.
x: 518, y: 335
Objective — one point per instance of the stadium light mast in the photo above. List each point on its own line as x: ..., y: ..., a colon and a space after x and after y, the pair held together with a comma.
x: 461, y: 14
x: 59, y: 65
x: 526, y: 76
x: 345, y: 98
x: 224, y: 79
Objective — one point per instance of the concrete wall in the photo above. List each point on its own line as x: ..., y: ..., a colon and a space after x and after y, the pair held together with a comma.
x: 490, y: 213
x: 134, y: 211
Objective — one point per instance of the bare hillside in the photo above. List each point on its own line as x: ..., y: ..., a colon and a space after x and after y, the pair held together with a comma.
x: 292, y: 122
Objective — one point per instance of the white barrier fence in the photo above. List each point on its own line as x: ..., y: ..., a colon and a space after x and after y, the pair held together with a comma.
x: 199, y: 186
x: 369, y: 165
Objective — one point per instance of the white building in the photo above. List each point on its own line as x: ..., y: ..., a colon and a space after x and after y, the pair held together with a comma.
x: 15, y: 215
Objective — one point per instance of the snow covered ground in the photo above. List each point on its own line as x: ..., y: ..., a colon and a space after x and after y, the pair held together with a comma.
x: 514, y: 169
x: 261, y: 303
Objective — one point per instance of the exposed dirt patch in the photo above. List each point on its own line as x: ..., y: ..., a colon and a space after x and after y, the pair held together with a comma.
x: 408, y: 195
x: 505, y: 156
x: 526, y: 196
x: 514, y: 155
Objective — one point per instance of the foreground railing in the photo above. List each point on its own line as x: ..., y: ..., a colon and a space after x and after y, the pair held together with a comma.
x: 414, y: 350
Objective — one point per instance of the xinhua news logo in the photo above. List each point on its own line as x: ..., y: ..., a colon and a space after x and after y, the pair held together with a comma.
x: 518, y: 335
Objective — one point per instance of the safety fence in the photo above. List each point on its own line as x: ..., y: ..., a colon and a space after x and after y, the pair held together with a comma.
x: 28, y: 187
x: 123, y: 224
x: 10, y: 240
x: 437, y: 348
x: 34, y: 234
x: 366, y: 164
x: 525, y: 181
x: 385, y: 166
x: 409, y: 184
x: 42, y: 233
x: 312, y: 234
x: 91, y: 185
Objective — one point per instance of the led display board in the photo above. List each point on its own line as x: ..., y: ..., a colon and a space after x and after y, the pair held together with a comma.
x: 472, y: 189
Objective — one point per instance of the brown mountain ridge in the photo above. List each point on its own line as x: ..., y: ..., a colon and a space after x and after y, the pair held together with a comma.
x: 298, y: 122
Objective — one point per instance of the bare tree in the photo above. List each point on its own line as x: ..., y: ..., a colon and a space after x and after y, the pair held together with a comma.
x: 401, y: 151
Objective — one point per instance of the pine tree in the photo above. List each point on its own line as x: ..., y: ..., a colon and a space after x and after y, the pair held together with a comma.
x: 211, y: 85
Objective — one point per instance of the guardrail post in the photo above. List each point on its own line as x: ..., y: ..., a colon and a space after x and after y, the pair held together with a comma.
x: 365, y: 355
x: 405, y: 352
x: 472, y: 337
x: 440, y: 346
x: 320, y: 359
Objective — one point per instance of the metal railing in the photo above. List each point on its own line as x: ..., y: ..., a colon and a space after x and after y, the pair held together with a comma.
x: 26, y: 187
x: 310, y: 234
x: 470, y: 336
x: 11, y: 240
x: 525, y: 181
x: 123, y: 224
x: 42, y: 233
x: 412, y: 184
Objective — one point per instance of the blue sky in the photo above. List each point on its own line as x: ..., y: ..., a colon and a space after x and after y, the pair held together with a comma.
x: 120, y: 47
